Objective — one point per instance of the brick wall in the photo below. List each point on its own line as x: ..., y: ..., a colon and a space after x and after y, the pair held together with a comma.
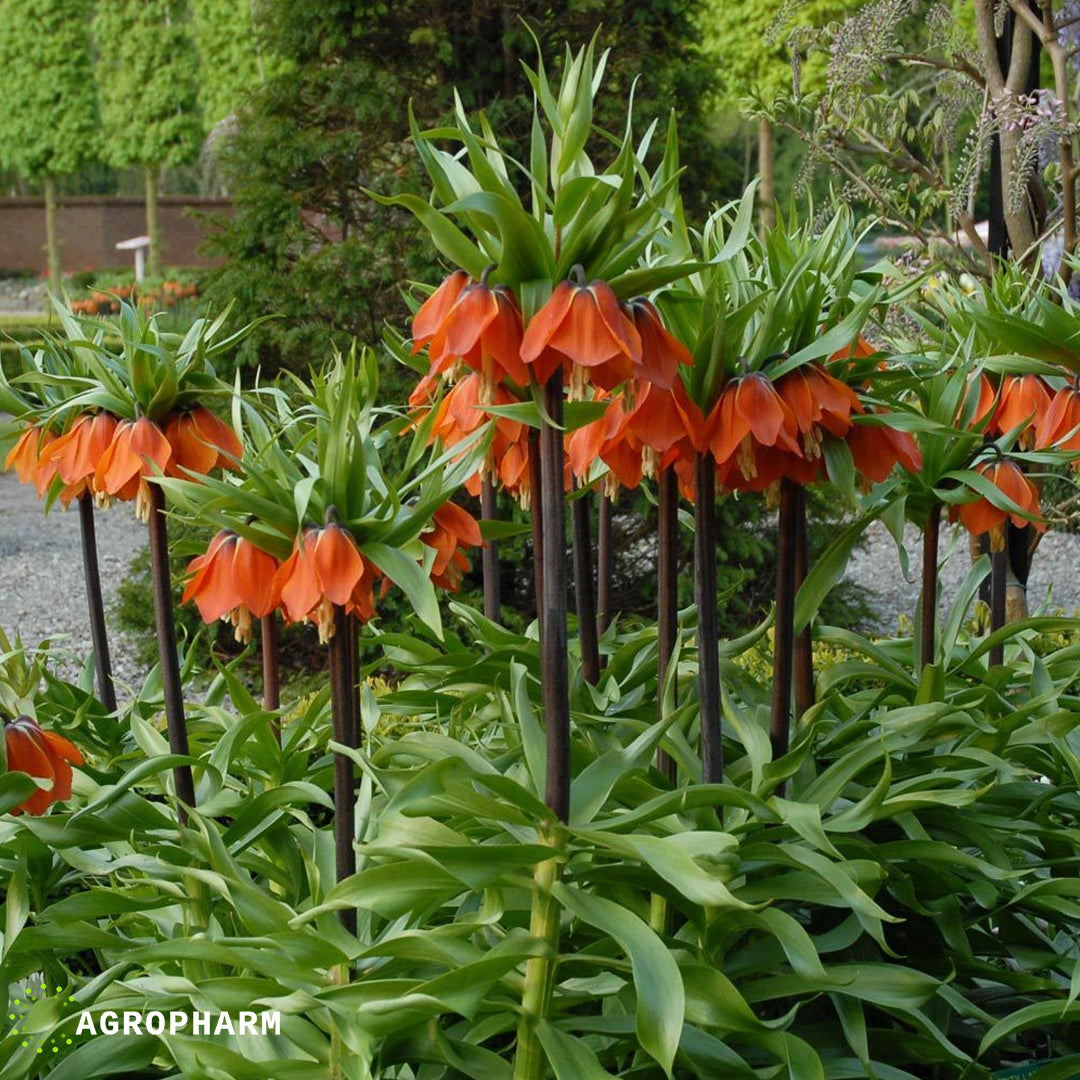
x: 90, y: 226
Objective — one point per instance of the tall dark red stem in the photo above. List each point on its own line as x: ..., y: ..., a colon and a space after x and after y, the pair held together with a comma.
x: 268, y: 635
x: 667, y: 596
x: 783, y: 628
x: 584, y: 596
x: 167, y: 654
x: 928, y: 626
x: 536, y: 489
x: 489, y: 511
x: 605, y: 563
x: 555, y: 690
x: 804, y: 644
x: 95, y: 603
x: 708, y: 631
x: 342, y: 707
x: 998, y: 568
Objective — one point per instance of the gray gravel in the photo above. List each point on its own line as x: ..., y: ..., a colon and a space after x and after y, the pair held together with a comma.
x: 1054, y: 583
x: 42, y: 596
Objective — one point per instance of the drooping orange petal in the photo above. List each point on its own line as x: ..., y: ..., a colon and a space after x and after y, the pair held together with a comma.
x: 434, y: 309
x: 297, y: 583
x: 338, y: 565
x: 544, y: 324
x: 254, y: 574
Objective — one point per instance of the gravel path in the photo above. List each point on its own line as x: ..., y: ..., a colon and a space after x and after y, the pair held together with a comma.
x: 1054, y: 582
x: 42, y: 596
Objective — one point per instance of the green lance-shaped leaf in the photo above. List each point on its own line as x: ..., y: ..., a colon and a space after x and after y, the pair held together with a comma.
x: 657, y: 981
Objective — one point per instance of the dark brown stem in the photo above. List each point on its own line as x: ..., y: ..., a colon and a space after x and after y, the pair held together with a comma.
x: 583, y: 590
x: 167, y: 654
x: 555, y: 691
x: 929, y: 583
x: 667, y: 597
x: 783, y: 627
x: 998, y: 568
x: 708, y: 630
x: 341, y: 705
x: 92, y: 576
x: 605, y: 556
x: 536, y: 488
x: 268, y: 629
x: 355, y: 734
x: 804, y: 643
x: 489, y: 511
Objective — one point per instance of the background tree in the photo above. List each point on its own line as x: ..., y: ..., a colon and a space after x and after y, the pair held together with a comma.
x: 306, y: 241
x: 754, y: 46
x: 49, y: 124
x: 148, y: 73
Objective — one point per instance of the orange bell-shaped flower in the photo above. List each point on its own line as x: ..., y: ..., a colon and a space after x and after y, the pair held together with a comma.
x: 234, y: 579
x: 661, y: 352
x: 877, y: 448
x: 325, y: 570
x: 77, y: 453
x: 751, y: 415
x: 819, y: 402
x: 482, y: 328
x: 1060, y: 425
x: 451, y: 529
x: 138, y: 451
x: 44, y: 755
x: 583, y: 329
x: 201, y: 442
x: 30, y: 459
x: 982, y: 516
x: 1023, y: 402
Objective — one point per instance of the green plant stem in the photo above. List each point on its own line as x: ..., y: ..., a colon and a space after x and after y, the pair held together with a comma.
x: 153, y: 228
x: 92, y: 574
x: 583, y: 590
x: 783, y: 628
x: 489, y: 511
x: 341, y: 706
x: 554, y: 674
x: 605, y: 558
x: 529, y: 1058
x: 667, y: 597
x: 928, y: 623
x: 167, y: 653
x: 708, y: 630
x: 804, y: 642
x: 52, y: 242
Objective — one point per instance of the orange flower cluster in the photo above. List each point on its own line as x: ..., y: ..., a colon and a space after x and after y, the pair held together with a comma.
x: 41, y: 754
x: 114, y: 459
x: 169, y: 294
x: 758, y: 432
x: 237, y: 581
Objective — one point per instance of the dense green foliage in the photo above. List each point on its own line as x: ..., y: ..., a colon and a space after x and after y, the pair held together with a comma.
x: 307, y: 244
x: 147, y: 73
x: 48, y: 125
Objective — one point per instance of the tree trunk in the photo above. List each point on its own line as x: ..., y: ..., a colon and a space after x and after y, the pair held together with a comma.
x: 767, y: 172
x: 52, y: 242
x: 153, y: 229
